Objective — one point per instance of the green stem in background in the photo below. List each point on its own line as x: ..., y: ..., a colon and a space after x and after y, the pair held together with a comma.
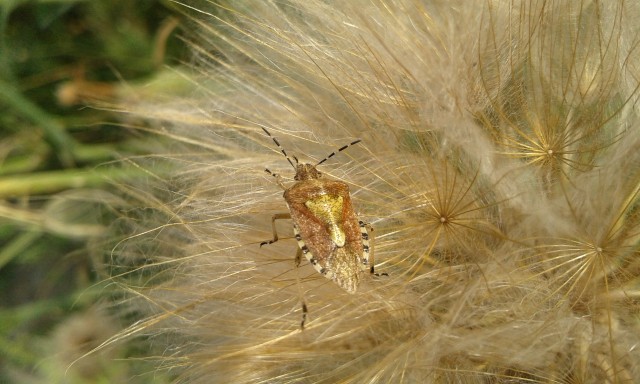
x: 17, y: 246
x: 21, y: 164
x: 62, y: 143
x: 93, y: 153
x: 55, y: 181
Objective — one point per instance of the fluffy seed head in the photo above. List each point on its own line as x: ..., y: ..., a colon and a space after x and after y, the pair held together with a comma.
x: 498, y: 166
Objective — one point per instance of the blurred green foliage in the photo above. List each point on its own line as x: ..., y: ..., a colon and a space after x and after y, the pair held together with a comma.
x: 55, y: 58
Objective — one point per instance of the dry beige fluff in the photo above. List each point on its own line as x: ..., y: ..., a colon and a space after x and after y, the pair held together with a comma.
x: 499, y: 168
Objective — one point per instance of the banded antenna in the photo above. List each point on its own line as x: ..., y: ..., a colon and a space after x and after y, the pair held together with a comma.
x: 296, y: 159
x: 281, y: 149
x: 338, y: 151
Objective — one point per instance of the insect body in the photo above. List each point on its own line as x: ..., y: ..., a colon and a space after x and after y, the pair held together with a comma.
x: 325, y: 225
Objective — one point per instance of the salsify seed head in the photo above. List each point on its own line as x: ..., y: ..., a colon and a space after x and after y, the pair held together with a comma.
x: 498, y: 167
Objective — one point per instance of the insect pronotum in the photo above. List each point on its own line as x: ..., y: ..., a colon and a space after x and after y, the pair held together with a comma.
x: 325, y: 225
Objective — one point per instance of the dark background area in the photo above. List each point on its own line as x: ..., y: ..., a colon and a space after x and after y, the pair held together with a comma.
x: 59, y: 61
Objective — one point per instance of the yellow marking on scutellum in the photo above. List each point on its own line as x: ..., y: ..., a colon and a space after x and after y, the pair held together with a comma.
x: 328, y: 208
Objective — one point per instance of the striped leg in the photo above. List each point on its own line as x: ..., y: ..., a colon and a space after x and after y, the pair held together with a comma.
x: 368, y: 259
x: 367, y: 255
x: 298, y: 260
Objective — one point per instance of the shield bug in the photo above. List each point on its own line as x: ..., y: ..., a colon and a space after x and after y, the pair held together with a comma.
x: 325, y: 225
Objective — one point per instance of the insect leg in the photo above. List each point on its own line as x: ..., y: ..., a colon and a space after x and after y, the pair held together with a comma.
x: 298, y: 259
x: 300, y: 293
x: 304, y: 315
x: 277, y: 216
x: 368, y: 240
